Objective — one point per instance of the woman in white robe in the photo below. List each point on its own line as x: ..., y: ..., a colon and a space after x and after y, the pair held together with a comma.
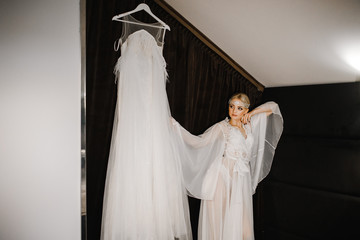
x: 223, y: 166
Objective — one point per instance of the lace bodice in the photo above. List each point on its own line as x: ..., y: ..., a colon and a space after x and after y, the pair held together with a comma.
x: 237, y: 147
x: 139, y: 53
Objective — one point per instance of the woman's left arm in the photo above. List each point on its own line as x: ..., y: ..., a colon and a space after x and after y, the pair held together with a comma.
x: 268, y: 108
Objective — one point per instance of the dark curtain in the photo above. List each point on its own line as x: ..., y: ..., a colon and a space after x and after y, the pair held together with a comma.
x: 200, y: 83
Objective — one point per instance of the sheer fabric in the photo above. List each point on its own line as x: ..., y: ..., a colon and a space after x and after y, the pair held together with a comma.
x: 155, y: 30
x: 144, y: 195
x: 223, y: 168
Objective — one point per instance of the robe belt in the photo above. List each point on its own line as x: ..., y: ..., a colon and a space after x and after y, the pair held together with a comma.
x: 241, y: 167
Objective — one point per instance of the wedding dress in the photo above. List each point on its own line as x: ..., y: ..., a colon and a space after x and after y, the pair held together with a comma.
x: 144, y: 197
x: 223, y: 168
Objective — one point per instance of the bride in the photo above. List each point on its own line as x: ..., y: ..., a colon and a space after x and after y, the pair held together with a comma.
x: 224, y: 165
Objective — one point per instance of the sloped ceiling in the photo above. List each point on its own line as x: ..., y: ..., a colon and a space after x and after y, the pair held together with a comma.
x: 283, y: 42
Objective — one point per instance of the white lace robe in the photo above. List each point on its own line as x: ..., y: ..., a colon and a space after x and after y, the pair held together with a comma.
x: 223, y: 167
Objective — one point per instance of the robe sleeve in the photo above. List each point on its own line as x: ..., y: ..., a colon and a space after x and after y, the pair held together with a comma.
x: 266, y: 131
x: 200, y: 158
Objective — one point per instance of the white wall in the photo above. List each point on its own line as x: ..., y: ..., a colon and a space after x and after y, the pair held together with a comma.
x: 40, y: 81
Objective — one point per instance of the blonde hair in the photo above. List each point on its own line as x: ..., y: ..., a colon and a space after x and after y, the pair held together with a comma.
x: 242, y: 97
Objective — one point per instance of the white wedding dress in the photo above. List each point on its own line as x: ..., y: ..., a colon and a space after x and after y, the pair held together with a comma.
x: 144, y: 195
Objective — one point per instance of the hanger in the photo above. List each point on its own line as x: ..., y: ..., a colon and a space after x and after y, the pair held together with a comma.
x: 141, y: 6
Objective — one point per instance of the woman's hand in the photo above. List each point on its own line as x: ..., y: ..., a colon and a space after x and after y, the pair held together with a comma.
x: 245, y: 119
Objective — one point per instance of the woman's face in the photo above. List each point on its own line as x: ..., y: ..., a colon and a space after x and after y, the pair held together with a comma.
x: 237, y: 109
